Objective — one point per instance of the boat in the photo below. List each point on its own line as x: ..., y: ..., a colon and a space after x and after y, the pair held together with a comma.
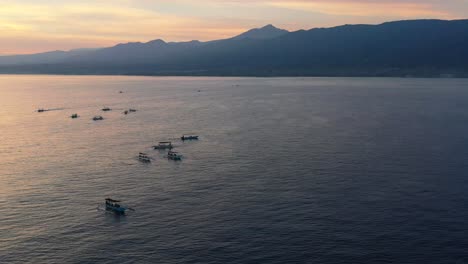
x: 120, y: 92
x: 189, y: 137
x: 74, y: 116
x: 96, y: 118
x: 115, y: 206
x: 164, y: 145
x: 40, y: 110
x: 131, y: 110
x: 105, y: 109
x: 143, y: 157
x: 174, y: 155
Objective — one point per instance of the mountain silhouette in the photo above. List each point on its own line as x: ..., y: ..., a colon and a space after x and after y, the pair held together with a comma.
x: 426, y: 48
x: 266, y: 32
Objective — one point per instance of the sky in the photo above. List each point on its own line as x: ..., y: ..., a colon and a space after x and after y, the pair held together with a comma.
x: 30, y: 26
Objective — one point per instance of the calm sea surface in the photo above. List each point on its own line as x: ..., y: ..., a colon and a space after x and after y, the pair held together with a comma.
x: 305, y: 170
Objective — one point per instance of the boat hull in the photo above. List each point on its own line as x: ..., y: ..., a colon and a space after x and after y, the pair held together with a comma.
x: 189, y: 138
x: 162, y: 148
x: 116, y: 210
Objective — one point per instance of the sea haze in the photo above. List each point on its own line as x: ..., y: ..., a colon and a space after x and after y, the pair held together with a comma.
x: 287, y: 170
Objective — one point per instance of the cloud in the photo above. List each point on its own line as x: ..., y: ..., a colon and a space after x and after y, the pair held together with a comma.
x: 103, y: 20
x: 401, y: 9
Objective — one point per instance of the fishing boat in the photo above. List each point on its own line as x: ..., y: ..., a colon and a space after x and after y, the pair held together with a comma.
x: 125, y: 112
x: 189, y: 137
x: 115, y: 206
x: 143, y: 157
x: 74, y: 116
x: 96, y: 118
x: 105, y: 109
x: 172, y: 155
x: 164, y: 145
x: 132, y: 110
x: 40, y: 110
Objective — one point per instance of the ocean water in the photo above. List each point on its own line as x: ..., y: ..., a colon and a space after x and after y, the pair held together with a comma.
x: 287, y: 170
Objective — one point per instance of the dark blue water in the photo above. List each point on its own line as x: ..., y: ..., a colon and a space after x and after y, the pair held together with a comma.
x: 332, y: 170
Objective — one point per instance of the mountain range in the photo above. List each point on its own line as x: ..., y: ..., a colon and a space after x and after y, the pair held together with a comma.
x: 420, y: 48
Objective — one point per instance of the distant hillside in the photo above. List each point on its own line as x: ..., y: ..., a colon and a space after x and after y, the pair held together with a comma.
x: 41, y: 58
x: 428, y: 48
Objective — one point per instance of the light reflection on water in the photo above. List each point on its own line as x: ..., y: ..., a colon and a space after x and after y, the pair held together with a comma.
x: 326, y: 170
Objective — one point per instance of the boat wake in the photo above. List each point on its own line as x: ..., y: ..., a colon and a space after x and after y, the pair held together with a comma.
x: 40, y: 110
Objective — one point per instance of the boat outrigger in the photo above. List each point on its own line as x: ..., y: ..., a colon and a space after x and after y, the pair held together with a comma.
x: 143, y: 157
x: 189, y: 137
x: 96, y: 118
x: 174, y: 155
x: 115, y: 206
x: 164, y: 145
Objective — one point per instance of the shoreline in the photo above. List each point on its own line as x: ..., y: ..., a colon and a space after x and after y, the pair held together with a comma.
x: 237, y: 76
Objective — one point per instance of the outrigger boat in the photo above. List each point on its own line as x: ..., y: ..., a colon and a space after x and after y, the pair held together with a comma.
x: 74, y: 116
x: 189, y: 137
x: 174, y: 155
x: 105, y: 109
x: 143, y: 157
x: 131, y: 110
x: 115, y: 206
x: 164, y: 145
x: 96, y: 118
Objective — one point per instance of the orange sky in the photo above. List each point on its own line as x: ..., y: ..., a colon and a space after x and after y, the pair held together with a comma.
x: 29, y: 26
